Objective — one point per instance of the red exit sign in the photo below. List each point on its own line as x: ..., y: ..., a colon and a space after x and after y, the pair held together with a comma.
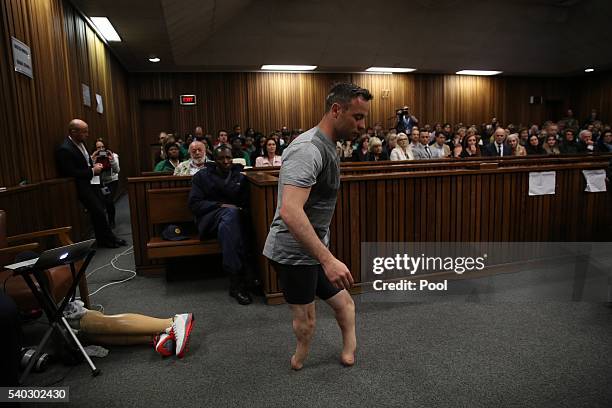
x: 188, y: 99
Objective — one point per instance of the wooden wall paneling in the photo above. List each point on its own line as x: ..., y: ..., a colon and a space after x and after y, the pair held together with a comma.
x: 65, y: 53
x: 8, y: 172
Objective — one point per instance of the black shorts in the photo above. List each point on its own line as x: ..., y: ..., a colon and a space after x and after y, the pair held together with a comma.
x: 300, y: 283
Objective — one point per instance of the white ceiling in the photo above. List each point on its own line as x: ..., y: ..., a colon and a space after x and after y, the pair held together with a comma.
x: 519, y: 37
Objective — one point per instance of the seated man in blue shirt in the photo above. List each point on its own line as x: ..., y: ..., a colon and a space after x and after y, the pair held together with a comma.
x: 219, y: 200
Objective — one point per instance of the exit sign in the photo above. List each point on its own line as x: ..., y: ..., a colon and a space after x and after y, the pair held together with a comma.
x: 188, y: 99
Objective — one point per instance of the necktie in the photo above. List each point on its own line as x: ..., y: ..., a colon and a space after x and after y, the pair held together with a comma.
x: 427, y: 151
x: 500, y: 150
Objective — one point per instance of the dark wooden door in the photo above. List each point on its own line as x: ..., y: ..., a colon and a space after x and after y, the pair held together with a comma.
x: 155, y: 116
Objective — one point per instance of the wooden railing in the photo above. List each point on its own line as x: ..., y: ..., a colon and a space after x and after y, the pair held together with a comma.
x: 482, y: 199
x: 487, y: 203
x: 44, y: 205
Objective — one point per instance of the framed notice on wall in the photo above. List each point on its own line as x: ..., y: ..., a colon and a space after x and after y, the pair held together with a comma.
x: 22, y: 57
x: 86, y: 95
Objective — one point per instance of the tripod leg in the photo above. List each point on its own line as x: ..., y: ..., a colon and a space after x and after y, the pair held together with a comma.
x: 37, y: 352
x: 94, y: 371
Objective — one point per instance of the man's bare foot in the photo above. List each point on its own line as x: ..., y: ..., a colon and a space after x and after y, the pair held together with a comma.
x: 296, y: 364
x: 347, y: 358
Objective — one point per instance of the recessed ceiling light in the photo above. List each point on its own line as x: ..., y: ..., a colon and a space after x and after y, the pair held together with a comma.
x: 589, y: 70
x: 389, y: 69
x: 476, y: 72
x: 154, y: 59
x: 289, y: 67
x: 105, y: 28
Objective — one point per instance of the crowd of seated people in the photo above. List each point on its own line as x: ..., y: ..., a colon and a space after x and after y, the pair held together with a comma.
x: 567, y: 136
x: 180, y: 156
x: 407, y: 141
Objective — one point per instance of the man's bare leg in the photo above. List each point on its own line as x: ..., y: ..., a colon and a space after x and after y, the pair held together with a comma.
x: 344, y: 307
x: 304, y: 321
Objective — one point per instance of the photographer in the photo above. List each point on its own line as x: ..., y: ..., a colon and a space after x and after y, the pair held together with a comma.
x: 405, y: 121
x: 109, y: 177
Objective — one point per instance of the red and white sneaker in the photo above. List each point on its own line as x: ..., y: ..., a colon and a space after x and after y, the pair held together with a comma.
x: 181, y: 327
x: 164, y: 343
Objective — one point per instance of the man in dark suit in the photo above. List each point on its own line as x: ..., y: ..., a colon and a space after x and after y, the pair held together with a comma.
x: 499, y: 147
x: 73, y: 160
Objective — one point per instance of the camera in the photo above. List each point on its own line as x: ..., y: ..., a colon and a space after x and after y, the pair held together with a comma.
x: 103, y: 158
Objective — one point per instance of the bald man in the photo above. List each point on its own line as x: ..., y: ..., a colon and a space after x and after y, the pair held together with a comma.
x: 73, y: 160
x: 197, y: 154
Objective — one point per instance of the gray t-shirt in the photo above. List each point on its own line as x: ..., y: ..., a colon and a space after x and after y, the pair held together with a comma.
x: 309, y: 161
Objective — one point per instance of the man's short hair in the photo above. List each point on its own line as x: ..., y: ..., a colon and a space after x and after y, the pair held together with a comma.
x: 220, y: 149
x: 439, y: 133
x: 343, y: 93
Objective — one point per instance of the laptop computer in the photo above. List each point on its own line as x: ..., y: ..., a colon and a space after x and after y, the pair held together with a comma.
x: 54, y: 257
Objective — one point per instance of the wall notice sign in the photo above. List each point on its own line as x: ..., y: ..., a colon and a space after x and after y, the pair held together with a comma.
x: 99, y: 106
x: 188, y: 99
x: 22, y: 58
x: 542, y: 183
x: 86, y: 95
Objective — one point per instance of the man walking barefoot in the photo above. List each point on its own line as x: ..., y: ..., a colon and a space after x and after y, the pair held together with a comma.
x: 298, y: 240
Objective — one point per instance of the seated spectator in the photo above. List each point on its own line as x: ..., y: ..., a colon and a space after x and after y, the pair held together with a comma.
x: 447, y: 129
x: 586, y: 144
x: 605, y: 142
x: 249, y: 146
x: 109, y: 177
x: 271, y: 158
x: 551, y: 146
x: 415, y: 139
x: 439, y: 148
x: 471, y: 148
x: 250, y: 132
x: 569, y: 121
x: 498, y: 147
x: 161, y: 155
x: 361, y: 152
x: 524, y: 137
x: 237, y: 152
x: 222, y: 139
x: 515, y: 147
x: 196, y: 162
x: 457, y: 152
x: 568, y: 144
x: 172, y: 153
x: 423, y: 151
x: 376, y: 152
x: 402, y: 151
x: 260, y: 148
x: 219, y: 200
x: 534, y: 148
x: 391, y: 143
x: 346, y: 151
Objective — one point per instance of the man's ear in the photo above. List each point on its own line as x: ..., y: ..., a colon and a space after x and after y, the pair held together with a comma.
x: 335, y: 110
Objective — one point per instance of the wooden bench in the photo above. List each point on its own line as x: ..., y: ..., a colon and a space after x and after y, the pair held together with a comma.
x: 169, y: 206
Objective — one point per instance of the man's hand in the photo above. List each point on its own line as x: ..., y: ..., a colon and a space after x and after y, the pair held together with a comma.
x: 228, y: 206
x: 338, y: 274
x: 97, y: 168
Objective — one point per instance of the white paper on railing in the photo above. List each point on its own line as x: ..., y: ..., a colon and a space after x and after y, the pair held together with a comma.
x: 542, y: 183
x: 595, y: 180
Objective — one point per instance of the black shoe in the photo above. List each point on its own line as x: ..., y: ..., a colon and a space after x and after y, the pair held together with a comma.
x: 241, y: 295
x: 120, y: 242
